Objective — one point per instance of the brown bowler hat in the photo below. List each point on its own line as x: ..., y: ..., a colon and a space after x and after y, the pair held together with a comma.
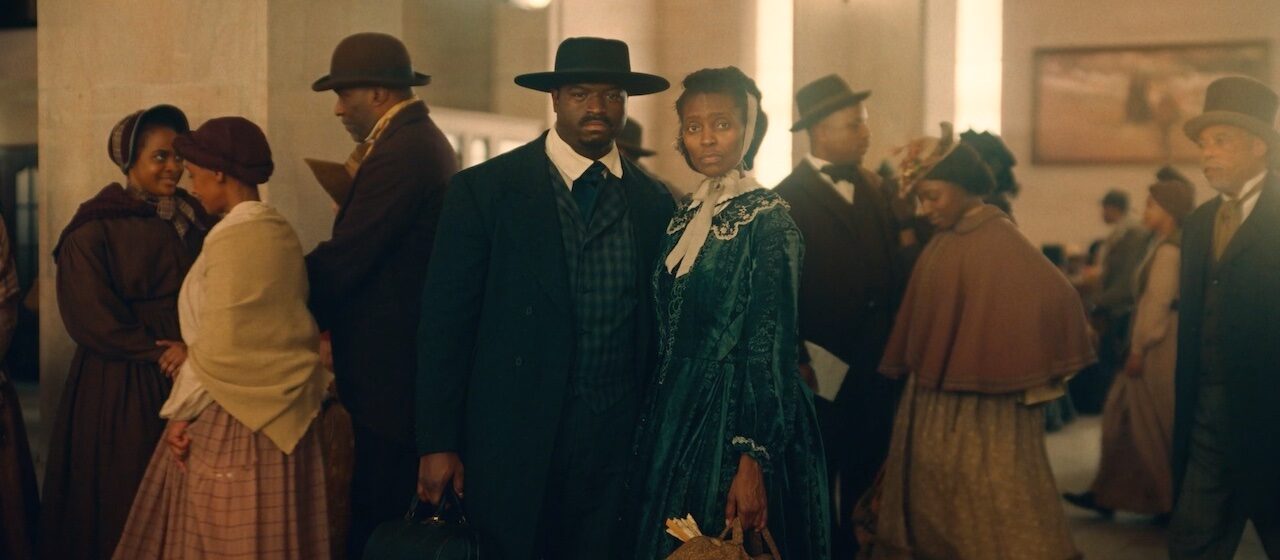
x: 370, y: 59
x: 587, y: 60
x: 822, y: 97
x: 1241, y: 102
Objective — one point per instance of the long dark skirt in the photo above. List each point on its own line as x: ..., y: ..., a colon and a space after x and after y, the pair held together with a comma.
x: 107, y: 425
x: 19, y: 502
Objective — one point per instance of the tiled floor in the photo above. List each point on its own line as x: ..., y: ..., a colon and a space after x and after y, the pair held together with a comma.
x: 1072, y: 451
x: 1074, y: 455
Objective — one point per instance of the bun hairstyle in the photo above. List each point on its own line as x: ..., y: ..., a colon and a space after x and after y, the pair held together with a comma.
x: 732, y: 82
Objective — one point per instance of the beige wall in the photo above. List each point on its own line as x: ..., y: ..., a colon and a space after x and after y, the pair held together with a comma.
x: 1060, y: 203
x: 452, y: 40
x: 872, y: 44
x: 692, y: 36
x: 521, y: 40
x: 18, y: 117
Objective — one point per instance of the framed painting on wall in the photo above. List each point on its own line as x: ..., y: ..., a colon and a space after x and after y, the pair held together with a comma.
x: 1114, y: 105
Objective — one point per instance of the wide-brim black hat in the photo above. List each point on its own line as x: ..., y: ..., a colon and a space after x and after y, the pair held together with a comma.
x: 822, y: 97
x: 1241, y: 102
x: 370, y: 59
x: 592, y: 60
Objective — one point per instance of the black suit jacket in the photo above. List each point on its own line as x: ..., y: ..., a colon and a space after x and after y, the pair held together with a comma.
x: 367, y: 280
x: 1248, y: 279
x: 498, y: 333
x: 841, y: 308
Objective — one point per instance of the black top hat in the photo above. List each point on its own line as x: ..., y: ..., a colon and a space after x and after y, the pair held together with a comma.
x: 370, y: 59
x: 588, y: 60
x: 630, y: 139
x: 1241, y: 102
x: 822, y: 97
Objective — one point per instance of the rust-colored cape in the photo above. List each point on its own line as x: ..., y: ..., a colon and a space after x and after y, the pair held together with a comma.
x: 986, y: 312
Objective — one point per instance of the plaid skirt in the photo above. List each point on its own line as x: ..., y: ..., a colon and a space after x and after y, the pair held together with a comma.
x: 241, y: 497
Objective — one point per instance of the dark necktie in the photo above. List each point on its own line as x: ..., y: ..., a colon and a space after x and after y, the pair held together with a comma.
x: 847, y: 173
x: 587, y: 187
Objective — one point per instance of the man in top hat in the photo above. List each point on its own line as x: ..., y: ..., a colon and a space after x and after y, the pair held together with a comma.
x: 366, y: 281
x: 1226, y: 445
x: 537, y: 326
x: 857, y: 259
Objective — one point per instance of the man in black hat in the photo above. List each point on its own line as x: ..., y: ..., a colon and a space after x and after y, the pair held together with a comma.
x: 366, y: 281
x: 538, y: 330
x: 1226, y: 444
x: 858, y: 255
x: 631, y: 145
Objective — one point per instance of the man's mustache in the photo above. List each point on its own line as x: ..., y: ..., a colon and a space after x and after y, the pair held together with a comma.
x: 596, y: 118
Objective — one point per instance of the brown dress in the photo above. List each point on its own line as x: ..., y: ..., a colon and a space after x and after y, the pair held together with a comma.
x: 19, y: 502
x: 120, y: 267
x: 1135, y: 473
x: 989, y: 328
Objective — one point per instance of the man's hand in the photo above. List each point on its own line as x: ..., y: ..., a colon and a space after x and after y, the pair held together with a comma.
x: 809, y: 376
x: 435, y: 472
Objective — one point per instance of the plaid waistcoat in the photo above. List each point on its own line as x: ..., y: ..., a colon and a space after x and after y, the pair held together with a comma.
x: 602, y: 261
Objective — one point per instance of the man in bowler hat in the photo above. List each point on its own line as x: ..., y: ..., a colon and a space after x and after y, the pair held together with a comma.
x: 538, y: 330
x: 858, y: 255
x: 366, y: 281
x: 1226, y: 444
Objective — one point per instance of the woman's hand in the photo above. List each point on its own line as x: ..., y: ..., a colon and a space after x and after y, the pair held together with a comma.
x: 175, y: 353
x: 1133, y: 365
x: 747, y: 501
x: 175, y: 435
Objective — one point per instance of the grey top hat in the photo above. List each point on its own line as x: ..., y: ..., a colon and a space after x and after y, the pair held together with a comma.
x: 1238, y: 101
x: 592, y: 60
x: 370, y: 59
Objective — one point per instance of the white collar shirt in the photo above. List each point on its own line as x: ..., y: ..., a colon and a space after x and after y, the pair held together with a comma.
x: 843, y: 188
x: 572, y: 165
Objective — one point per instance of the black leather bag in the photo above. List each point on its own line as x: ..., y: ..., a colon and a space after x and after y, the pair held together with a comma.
x: 445, y: 535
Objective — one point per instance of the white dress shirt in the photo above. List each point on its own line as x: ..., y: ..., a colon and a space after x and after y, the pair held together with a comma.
x: 843, y: 188
x: 572, y: 165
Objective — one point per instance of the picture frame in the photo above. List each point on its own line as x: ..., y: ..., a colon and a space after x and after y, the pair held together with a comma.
x: 1127, y: 104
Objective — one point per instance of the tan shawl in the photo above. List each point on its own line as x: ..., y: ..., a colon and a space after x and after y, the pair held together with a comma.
x: 255, y: 351
x: 986, y: 312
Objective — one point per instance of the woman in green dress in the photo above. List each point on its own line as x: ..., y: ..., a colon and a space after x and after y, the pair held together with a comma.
x: 729, y: 429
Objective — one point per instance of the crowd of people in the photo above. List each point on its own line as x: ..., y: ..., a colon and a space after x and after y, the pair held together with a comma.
x: 553, y: 341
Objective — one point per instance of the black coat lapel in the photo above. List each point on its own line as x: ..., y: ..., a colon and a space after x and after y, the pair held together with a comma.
x: 1266, y: 212
x: 649, y: 215
x: 537, y: 220
x: 825, y: 196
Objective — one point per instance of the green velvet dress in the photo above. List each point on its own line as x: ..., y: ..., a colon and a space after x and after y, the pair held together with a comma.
x: 727, y: 385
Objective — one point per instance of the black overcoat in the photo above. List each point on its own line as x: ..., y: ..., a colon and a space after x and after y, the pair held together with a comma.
x: 498, y: 332
x: 1248, y: 279
x: 367, y: 280
x: 841, y: 307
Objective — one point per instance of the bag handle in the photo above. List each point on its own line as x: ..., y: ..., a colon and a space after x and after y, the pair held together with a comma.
x: 736, y: 527
x: 438, y: 517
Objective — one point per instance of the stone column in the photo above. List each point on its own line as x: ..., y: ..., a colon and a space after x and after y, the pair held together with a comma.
x: 101, y: 60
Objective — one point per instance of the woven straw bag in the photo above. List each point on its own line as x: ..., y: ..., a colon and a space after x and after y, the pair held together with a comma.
x: 717, y: 548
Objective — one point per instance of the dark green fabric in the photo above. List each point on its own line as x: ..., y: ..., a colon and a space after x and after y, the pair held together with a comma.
x: 727, y: 385
x: 601, y: 257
